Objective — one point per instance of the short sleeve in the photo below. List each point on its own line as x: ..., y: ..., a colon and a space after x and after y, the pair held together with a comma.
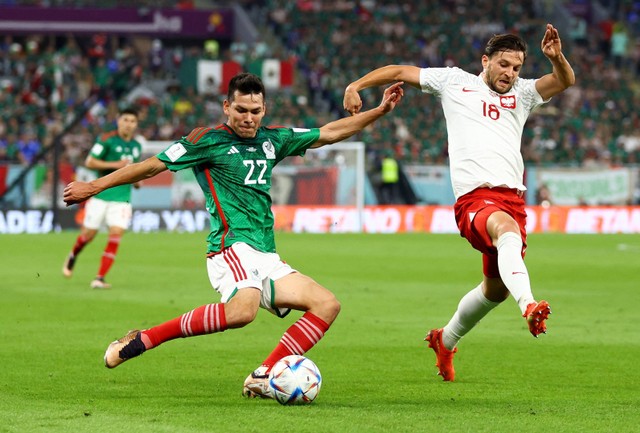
x: 184, y: 154
x: 296, y: 141
x: 98, y: 150
x: 528, y: 93
x: 434, y: 80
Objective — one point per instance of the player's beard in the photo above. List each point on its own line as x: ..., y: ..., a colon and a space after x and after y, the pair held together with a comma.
x: 492, y: 86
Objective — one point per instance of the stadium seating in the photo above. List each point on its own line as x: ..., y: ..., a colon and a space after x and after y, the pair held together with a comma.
x: 593, y: 123
x: 44, y: 81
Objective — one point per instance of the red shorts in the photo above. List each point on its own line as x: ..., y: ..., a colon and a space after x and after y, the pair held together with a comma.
x: 472, y: 211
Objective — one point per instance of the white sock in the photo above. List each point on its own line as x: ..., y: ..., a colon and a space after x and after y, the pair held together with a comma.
x: 472, y: 307
x: 513, y: 270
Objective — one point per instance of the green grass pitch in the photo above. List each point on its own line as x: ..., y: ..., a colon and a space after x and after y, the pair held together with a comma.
x: 379, y: 376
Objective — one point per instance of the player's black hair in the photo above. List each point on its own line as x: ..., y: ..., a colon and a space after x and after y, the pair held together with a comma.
x: 505, y: 42
x: 246, y: 84
x: 129, y: 110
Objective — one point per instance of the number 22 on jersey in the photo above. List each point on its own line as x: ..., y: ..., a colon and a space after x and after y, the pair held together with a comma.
x: 256, y: 172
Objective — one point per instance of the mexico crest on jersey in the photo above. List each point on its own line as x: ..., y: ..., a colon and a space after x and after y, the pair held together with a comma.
x: 508, y: 101
x: 269, y: 150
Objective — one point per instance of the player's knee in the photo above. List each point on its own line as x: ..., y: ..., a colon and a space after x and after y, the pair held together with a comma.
x: 89, y: 236
x: 500, y: 223
x: 495, y: 290
x: 247, y: 316
x: 241, y: 310
x: 335, y: 308
x: 333, y: 305
x: 501, y: 296
x: 329, y: 308
x: 507, y: 227
x: 239, y: 318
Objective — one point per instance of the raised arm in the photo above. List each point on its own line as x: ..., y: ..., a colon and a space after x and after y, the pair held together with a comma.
x: 562, y: 75
x: 385, y: 75
x: 77, y: 192
x: 343, y: 128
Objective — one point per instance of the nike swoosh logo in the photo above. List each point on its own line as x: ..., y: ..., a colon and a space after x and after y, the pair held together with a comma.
x: 523, y: 273
x: 464, y: 89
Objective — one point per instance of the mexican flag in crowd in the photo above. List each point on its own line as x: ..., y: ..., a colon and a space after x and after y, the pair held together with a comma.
x: 275, y: 73
x: 214, y: 75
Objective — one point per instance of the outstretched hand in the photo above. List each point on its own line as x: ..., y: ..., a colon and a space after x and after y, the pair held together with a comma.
x: 76, y: 192
x: 551, y: 45
x: 351, y: 101
x: 392, y: 95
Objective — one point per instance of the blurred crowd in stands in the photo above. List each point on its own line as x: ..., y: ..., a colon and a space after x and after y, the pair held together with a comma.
x: 46, y: 80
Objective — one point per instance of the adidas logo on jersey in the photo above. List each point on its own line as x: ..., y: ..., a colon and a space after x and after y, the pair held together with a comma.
x: 233, y: 150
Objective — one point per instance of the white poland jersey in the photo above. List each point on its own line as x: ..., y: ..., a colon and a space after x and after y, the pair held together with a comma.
x: 484, y: 128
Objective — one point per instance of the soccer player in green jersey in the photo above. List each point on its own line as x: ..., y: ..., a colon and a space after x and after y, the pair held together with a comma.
x: 111, y: 151
x: 233, y: 163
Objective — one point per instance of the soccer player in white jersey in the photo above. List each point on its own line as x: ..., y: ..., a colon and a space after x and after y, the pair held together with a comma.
x: 233, y: 164
x: 485, y: 116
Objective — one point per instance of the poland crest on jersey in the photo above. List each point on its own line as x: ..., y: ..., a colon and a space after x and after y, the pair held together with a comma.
x: 508, y: 101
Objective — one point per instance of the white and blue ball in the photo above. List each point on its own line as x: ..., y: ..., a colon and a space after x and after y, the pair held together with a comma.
x: 295, y: 380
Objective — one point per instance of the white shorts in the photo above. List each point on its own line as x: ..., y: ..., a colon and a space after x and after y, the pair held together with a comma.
x: 113, y: 213
x: 240, y: 266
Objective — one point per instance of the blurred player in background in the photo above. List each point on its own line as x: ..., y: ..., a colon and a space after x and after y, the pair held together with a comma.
x: 485, y: 116
x: 233, y: 164
x: 112, y: 150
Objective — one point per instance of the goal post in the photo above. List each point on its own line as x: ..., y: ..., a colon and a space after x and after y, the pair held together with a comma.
x: 331, y: 176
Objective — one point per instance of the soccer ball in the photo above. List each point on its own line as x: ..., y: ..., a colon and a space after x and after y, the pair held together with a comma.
x: 295, y: 380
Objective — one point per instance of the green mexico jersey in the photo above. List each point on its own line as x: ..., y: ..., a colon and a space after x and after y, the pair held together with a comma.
x: 111, y: 147
x: 235, y: 176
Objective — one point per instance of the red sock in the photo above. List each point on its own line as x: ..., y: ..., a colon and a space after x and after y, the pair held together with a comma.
x: 81, y: 242
x: 299, y: 338
x: 109, y: 255
x: 206, y: 319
